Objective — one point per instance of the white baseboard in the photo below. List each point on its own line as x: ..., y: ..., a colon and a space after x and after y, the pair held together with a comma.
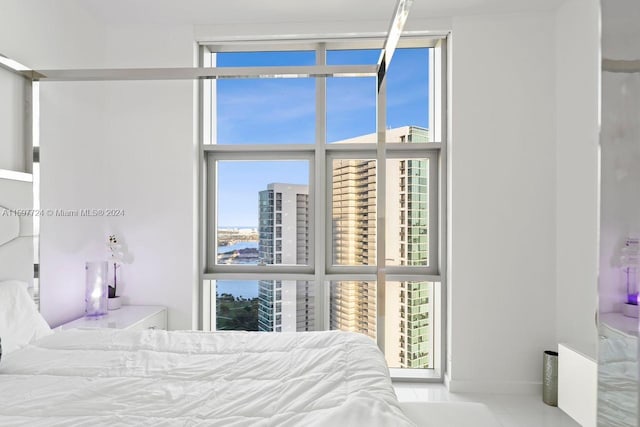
x: 492, y: 387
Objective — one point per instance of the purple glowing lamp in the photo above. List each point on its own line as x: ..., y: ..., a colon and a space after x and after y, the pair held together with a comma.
x: 630, y: 260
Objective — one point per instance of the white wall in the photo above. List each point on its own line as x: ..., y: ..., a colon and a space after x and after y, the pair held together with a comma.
x: 50, y: 33
x: 152, y: 138
x: 502, y: 202
x: 131, y: 146
x: 30, y: 33
x: 72, y: 135
x: 53, y: 34
x: 110, y: 145
x: 115, y: 145
x: 577, y: 58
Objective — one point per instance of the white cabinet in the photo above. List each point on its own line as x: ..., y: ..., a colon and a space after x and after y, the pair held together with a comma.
x: 131, y: 317
x: 578, y: 382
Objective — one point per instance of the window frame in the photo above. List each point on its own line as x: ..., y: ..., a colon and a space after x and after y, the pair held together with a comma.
x: 320, y: 154
x: 252, y: 153
x: 402, y: 152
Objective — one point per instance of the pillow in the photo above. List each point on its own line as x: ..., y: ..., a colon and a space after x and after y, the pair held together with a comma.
x: 20, y: 321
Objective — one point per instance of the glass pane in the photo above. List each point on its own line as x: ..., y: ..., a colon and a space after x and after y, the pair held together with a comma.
x: 408, y: 96
x: 351, y: 109
x: 286, y: 306
x: 353, y: 57
x: 352, y: 307
x: 351, y: 102
x: 265, y: 305
x: 407, y: 211
x: 265, y: 59
x: 236, y: 305
x: 265, y: 111
x: 354, y: 212
x: 263, y: 212
x: 408, y: 324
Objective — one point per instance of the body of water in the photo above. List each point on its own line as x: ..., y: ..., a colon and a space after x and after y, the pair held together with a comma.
x: 236, y: 246
x: 237, y: 288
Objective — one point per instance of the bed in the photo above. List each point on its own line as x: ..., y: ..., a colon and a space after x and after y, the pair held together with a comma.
x: 153, y: 377
x: 117, y: 377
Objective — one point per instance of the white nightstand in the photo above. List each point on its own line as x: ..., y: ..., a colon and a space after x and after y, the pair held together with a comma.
x: 131, y: 317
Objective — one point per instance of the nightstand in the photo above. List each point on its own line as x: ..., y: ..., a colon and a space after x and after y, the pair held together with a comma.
x: 130, y: 317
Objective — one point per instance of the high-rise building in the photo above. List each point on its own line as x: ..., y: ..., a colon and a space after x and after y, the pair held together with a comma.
x: 408, y: 336
x: 353, y: 303
x: 408, y: 328
x: 284, y: 305
x: 284, y: 230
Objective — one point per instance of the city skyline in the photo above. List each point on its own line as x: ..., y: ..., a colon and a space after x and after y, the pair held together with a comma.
x: 282, y: 111
x: 288, y: 305
x: 265, y: 111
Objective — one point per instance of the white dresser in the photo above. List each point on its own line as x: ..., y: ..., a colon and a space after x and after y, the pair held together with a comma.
x: 578, y: 382
x: 131, y: 317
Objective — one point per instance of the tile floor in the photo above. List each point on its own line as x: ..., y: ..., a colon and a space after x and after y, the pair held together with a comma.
x: 510, y: 410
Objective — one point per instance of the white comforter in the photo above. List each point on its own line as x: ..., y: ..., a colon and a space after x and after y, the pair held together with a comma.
x: 159, y: 378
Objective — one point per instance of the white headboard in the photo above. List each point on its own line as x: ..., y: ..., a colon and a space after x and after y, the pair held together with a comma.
x: 16, y: 228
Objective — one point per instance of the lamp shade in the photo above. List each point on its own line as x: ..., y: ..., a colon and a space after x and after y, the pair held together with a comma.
x: 96, y: 292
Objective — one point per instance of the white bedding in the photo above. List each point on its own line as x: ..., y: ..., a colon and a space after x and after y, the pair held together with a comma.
x: 159, y: 378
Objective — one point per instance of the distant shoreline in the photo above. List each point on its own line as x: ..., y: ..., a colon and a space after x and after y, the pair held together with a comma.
x: 245, y: 251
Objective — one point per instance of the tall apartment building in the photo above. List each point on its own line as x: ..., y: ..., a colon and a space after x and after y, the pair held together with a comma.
x: 353, y: 303
x: 408, y: 328
x: 284, y: 305
x: 408, y: 304
x: 284, y: 229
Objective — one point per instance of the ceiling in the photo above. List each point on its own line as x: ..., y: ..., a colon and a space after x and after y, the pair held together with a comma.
x: 212, y: 12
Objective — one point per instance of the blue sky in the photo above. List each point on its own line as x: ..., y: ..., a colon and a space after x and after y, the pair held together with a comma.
x: 270, y: 111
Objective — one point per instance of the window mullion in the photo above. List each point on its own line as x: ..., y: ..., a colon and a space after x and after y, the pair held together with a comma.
x: 212, y: 102
x: 206, y: 126
x: 320, y: 194
x: 381, y: 167
x: 440, y: 298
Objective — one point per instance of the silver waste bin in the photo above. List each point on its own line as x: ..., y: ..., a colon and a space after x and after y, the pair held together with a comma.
x: 550, y: 378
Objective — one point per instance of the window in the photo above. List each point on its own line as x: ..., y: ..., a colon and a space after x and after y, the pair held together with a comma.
x: 283, y: 104
x: 321, y: 210
x: 249, y: 227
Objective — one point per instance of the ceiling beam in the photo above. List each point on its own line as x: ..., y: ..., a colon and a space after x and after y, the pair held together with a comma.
x: 190, y: 73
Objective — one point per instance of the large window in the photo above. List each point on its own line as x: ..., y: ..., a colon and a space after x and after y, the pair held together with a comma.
x: 322, y: 195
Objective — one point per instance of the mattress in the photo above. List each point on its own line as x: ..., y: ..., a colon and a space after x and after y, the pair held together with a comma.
x: 117, y: 377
